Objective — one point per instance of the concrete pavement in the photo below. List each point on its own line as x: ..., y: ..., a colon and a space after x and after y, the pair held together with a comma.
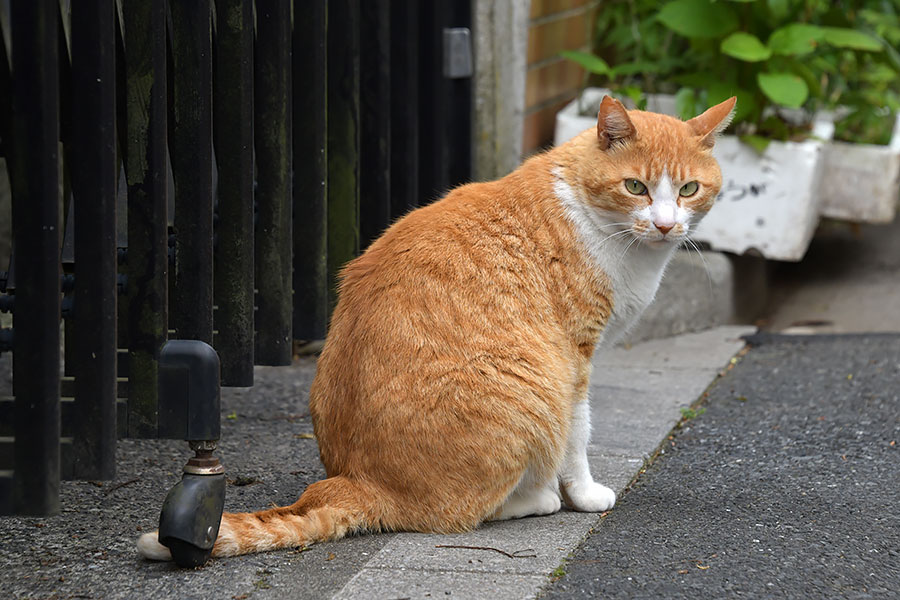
x: 88, y: 550
x: 849, y: 282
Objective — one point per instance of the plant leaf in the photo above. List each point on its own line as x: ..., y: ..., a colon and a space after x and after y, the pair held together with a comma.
x: 796, y: 39
x: 878, y: 73
x: 757, y: 142
x: 843, y: 37
x: 893, y: 57
x: 632, y: 68
x: 720, y: 91
x: 802, y: 70
x: 698, y: 18
x: 696, y: 80
x: 745, y: 47
x: 589, y: 61
x: 685, y: 103
x: 636, y: 95
x: 785, y: 89
x: 779, y: 9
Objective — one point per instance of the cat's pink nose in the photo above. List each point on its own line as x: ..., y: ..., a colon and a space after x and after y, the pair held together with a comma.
x: 664, y: 227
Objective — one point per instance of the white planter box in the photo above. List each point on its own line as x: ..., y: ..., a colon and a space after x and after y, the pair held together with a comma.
x: 861, y: 182
x: 769, y: 203
x: 570, y: 122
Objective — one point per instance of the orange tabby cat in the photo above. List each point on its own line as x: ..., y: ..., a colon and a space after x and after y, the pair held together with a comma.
x: 453, y: 385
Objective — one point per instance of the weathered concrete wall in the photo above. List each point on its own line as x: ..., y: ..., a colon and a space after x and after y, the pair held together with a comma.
x: 500, y: 41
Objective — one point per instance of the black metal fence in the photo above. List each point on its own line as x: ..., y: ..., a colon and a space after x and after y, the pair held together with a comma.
x: 197, y: 169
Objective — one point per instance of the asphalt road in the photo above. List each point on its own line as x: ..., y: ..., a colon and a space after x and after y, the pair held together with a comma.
x: 788, y: 485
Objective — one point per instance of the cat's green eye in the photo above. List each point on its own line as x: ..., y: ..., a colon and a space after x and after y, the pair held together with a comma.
x: 688, y: 189
x: 635, y: 187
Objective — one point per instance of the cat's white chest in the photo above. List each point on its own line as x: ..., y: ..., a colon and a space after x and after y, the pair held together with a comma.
x: 635, y: 280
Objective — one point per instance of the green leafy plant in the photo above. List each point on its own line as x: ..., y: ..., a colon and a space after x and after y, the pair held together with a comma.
x: 773, y: 55
x: 692, y: 413
x: 558, y: 573
x: 634, y: 51
x: 776, y: 56
x: 864, y: 87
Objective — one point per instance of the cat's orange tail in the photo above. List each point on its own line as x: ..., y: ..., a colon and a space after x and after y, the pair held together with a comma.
x: 327, y: 510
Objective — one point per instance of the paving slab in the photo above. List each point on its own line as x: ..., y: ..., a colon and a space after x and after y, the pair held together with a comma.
x: 88, y: 550
x: 375, y: 584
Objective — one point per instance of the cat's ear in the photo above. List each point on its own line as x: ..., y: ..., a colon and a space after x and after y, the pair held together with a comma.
x: 613, y: 124
x: 713, y: 122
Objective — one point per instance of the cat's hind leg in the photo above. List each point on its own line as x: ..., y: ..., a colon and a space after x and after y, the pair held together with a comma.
x: 579, y: 489
x: 530, y: 501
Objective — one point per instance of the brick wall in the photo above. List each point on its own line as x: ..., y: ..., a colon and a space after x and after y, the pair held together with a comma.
x: 551, y: 81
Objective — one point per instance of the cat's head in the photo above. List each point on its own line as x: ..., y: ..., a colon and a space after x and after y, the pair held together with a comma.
x: 652, y: 175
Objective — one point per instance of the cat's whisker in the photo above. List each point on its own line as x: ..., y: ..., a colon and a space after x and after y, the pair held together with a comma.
x: 611, y: 236
x: 696, y: 248
x: 624, y: 252
x: 612, y: 225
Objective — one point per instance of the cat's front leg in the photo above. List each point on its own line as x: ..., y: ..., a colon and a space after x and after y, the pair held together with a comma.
x: 579, y: 489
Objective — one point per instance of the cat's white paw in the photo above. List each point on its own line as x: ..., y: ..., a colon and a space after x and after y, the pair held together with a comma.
x: 590, y: 497
x: 548, y: 503
x: 542, y: 501
x: 149, y: 547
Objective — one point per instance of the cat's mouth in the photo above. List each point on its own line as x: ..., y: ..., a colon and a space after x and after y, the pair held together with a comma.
x: 654, y: 238
x: 664, y: 242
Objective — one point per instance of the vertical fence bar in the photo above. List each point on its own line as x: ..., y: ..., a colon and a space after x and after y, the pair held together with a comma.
x: 272, y: 135
x: 67, y: 232
x: 94, y: 181
x: 432, y: 177
x: 375, y: 120
x: 233, y: 131
x: 310, y: 173
x: 456, y: 119
x: 343, y: 137
x: 145, y: 172
x: 404, y: 106
x: 35, y: 179
x: 191, y: 153
x: 446, y: 104
x: 5, y: 101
